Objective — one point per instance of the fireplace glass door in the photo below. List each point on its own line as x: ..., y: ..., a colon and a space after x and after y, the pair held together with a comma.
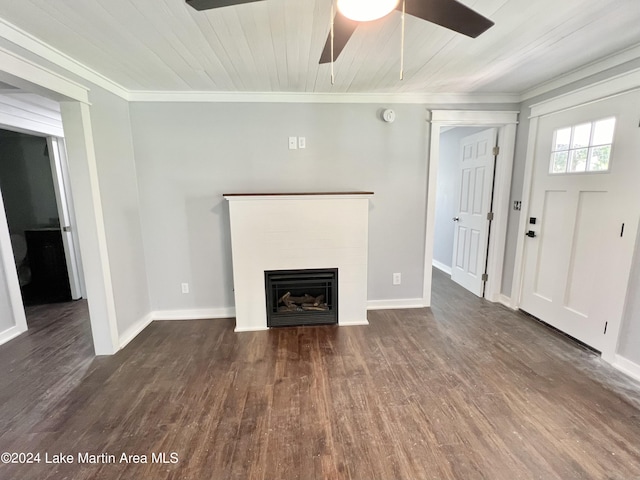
x: 301, y: 297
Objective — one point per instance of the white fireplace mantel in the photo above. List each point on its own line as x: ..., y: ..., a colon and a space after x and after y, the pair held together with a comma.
x: 290, y: 231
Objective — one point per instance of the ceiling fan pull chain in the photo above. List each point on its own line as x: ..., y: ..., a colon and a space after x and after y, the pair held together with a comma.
x: 333, y: 79
x: 402, y: 45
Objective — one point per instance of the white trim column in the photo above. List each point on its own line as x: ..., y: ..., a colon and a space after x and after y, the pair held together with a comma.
x: 7, y: 269
x: 93, y: 241
x: 518, y: 271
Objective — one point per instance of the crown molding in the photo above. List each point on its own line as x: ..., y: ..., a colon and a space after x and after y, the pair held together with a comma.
x: 599, y: 66
x: 322, y: 97
x: 616, y: 85
x: 36, y: 46
x: 29, y: 42
x: 473, y: 117
x: 31, y: 76
x: 42, y: 49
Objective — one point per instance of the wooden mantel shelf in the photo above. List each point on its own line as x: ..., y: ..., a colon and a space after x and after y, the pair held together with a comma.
x: 294, y: 194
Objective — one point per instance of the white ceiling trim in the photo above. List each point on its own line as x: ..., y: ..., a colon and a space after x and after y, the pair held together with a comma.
x: 610, y: 87
x: 304, y: 97
x: 24, y: 73
x: 38, y: 47
x: 469, y: 117
x: 612, y: 61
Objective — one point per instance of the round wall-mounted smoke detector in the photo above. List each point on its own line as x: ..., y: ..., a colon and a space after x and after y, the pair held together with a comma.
x: 388, y: 115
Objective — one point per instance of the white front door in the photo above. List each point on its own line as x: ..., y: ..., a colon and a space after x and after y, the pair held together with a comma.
x: 471, y: 233
x: 583, y: 218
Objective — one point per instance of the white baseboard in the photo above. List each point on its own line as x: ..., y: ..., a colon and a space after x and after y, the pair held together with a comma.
x: 133, y: 331
x: 395, y: 304
x: 250, y: 329
x: 10, y: 334
x: 441, y: 266
x: 627, y: 366
x: 506, y: 301
x: 353, y: 324
x: 195, y: 314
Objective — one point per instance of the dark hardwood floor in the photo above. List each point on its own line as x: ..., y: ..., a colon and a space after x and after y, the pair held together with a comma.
x: 464, y: 390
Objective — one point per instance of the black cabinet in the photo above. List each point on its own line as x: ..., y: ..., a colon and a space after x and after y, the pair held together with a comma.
x: 49, y: 276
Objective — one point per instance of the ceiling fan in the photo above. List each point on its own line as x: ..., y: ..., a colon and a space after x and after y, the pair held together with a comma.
x: 450, y: 14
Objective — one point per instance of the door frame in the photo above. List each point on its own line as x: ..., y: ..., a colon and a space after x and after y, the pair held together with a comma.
x: 66, y: 215
x: 617, y: 85
x: 506, y: 122
x: 76, y: 119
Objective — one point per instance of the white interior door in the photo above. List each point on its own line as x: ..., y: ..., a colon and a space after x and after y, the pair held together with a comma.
x: 578, y: 256
x: 471, y: 233
x: 67, y: 219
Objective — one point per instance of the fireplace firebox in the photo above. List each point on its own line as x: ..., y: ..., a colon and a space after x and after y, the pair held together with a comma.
x: 301, y: 297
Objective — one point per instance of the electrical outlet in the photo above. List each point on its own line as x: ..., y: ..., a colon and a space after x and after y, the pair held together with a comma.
x: 185, y: 288
x: 397, y: 278
x: 302, y: 142
x: 293, y: 143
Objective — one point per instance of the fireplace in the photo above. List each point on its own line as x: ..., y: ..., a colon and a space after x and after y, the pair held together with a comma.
x: 301, y: 297
x: 299, y: 231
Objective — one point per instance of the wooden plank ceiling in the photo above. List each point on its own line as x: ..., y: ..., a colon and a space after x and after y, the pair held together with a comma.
x: 274, y: 45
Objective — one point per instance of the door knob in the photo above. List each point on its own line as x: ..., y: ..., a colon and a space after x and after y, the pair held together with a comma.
x: 531, y: 234
x: 456, y: 219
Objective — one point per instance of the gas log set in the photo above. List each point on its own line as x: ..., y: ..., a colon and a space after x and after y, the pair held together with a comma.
x: 289, y: 303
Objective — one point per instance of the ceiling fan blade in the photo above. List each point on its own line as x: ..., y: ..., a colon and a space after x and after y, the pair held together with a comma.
x: 209, y: 4
x: 449, y: 14
x: 343, y: 28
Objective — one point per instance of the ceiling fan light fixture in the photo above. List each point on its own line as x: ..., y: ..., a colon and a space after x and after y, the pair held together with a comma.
x: 366, y: 10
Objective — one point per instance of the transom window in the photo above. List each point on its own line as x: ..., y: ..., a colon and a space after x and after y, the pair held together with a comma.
x: 582, y: 148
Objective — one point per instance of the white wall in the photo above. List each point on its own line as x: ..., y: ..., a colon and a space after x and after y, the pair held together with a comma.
x: 119, y: 192
x: 446, y: 195
x: 6, y: 313
x: 189, y: 154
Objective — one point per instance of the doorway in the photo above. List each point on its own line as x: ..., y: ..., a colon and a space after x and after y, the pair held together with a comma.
x: 505, y: 123
x: 33, y: 82
x: 39, y: 218
x: 463, y: 200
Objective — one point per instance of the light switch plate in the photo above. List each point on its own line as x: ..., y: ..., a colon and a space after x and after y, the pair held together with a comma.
x: 302, y: 142
x: 293, y: 143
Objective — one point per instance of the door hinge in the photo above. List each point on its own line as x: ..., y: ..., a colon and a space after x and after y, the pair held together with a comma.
x: 485, y: 277
x: 605, y: 327
x: 490, y: 216
x: 496, y: 151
